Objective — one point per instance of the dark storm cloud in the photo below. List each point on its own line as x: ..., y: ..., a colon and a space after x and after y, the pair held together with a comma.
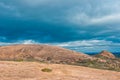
x: 59, y: 21
x: 43, y: 32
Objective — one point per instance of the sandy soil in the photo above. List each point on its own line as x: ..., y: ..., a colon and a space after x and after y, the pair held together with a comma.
x: 32, y: 71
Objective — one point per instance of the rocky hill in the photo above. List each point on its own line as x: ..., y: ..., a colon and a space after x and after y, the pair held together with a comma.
x: 54, y: 54
x: 43, y: 53
x: 102, y: 60
x: 106, y: 54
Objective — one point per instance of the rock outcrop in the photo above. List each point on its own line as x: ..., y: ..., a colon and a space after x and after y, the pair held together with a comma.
x: 106, y: 54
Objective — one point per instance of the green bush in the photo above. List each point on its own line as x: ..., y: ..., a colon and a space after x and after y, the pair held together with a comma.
x: 46, y: 70
x: 19, y: 60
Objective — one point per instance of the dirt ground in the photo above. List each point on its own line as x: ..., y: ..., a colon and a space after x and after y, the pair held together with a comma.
x: 32, y: 71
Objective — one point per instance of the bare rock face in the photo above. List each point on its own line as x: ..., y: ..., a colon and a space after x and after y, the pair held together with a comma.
x: 17, y: 71
x: 43, y: 53
x: 107, y: 54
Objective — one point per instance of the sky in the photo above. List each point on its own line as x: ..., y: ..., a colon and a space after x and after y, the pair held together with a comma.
x: 80, y: 25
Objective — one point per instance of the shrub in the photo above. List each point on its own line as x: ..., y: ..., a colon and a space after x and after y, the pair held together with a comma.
x: 19, y: 60
x: 46, y: 70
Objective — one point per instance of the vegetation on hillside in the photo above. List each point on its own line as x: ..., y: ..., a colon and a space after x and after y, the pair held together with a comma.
x: 101, y: 63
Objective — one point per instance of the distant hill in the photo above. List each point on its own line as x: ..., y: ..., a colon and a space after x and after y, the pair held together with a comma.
x: 106, y: 54
x: 43, y: 53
